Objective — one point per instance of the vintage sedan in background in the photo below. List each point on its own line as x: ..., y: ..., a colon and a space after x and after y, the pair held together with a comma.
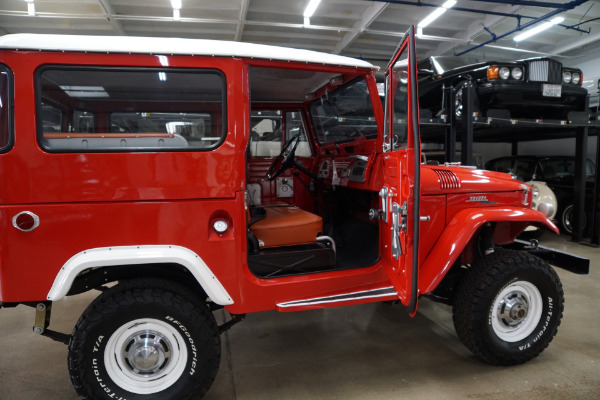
x: 558, y: 173
x: 540, y: 88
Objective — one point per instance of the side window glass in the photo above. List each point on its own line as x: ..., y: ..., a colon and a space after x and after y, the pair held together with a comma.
x: 294, y: 126
x: 6, y: 100
x: 265, y: 133
x: 129, y: 109
x: 51, y: 118
x: 399, y: 103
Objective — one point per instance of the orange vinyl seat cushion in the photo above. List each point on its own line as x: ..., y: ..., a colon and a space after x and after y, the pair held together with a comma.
x: 287, y: 226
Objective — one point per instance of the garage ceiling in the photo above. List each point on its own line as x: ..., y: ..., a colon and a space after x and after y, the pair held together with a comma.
x: 358, y: 28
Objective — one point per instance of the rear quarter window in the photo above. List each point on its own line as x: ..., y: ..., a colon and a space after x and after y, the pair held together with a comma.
x: 88, y: 109
x: 6, y: 108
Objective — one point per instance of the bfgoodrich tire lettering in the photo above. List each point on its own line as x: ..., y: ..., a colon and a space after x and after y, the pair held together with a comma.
x: 509, y: 307
x: 145, y: 339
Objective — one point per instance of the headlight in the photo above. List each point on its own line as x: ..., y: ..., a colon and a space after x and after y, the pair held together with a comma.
x: 576, y: 78
x: 517, y: 73
x: 546, y: 208
x: 504, y: 73
x: 566, y: 77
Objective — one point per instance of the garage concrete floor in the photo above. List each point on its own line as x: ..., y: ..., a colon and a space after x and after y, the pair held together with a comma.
x: 372, y: 351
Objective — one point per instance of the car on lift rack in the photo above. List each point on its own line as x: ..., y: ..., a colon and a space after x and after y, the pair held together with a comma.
x: 558, y: 172
x: 539, y: 88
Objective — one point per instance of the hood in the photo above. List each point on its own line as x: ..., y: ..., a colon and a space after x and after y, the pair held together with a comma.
x: 437, y: 179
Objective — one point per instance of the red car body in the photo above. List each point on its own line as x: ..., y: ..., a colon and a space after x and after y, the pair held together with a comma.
x: 75, y: 214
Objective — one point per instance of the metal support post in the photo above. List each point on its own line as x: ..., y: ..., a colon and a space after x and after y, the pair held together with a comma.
x: 466, y: 141
x: 581, y: 139
x: 596, y: 203
x: 450, y: 144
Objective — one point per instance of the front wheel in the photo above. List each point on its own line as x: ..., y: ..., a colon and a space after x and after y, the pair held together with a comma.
x: 509, y: 307
x: 145, y: 339
x: 566, y: 220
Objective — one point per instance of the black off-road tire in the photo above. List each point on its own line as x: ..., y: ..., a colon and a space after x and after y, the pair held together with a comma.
x: 566, y: 221
x: 508, y: 308
x: 145, y: 339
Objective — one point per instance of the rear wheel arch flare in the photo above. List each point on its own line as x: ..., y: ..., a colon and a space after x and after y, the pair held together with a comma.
x: 135, y: 257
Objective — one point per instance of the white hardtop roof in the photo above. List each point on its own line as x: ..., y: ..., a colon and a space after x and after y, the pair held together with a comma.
x: 173, y: 46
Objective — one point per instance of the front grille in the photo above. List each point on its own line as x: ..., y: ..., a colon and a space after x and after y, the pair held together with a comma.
x: 545, y: 71
x: 447, y: 179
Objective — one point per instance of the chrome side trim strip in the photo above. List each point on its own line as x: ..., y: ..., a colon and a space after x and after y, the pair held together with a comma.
x: 365, y: 294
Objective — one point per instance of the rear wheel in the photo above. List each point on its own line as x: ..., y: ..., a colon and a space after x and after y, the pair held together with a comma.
x: 145, y: 339
x: 508, y: 308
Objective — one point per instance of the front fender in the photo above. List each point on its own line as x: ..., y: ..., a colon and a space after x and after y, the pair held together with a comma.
x: 461, y: 229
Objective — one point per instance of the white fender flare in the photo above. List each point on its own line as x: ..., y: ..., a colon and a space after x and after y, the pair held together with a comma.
x: 135, y: 255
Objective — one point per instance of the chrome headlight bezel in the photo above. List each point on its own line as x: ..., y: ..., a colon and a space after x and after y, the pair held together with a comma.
x: 517, y: 73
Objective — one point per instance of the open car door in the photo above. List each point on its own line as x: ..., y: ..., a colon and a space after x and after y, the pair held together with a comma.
x: 400, y: 193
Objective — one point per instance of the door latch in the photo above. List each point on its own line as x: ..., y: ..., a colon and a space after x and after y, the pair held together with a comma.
x: 396, y: 227
x: 403, y: 216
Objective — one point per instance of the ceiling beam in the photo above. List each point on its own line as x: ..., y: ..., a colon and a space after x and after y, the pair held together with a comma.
x: 240, y: 28
x: 108, y: 14
x: 359, y: 27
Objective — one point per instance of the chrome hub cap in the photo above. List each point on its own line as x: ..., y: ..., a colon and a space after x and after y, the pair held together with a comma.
x: 513, y: 309
x: 146, y: 356
x: 516, y: 311
x: 146, y: 352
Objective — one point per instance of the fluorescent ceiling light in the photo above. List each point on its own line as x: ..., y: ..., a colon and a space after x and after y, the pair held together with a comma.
x: 30, y: 8
x: 538, y: 29
x: 85, y: 91
x: 311, y: 8
x: 306, y: 21
x: 176, y: 4
x: 436, y: 13
x: 176, y: 14
x: 162, y: 76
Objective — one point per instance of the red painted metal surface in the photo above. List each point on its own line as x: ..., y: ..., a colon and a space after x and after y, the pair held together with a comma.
x: 91, y: 200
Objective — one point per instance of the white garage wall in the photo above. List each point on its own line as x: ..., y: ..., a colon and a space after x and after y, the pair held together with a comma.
x: 591, y: 74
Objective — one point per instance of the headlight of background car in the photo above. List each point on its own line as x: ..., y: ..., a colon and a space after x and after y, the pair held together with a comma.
x: 576, y: 77
x: 516, y: 73
x: 544, y: 199
x: 504, y: 73
x: 566, y: 77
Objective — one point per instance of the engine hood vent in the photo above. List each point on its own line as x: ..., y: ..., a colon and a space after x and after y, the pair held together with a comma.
x: 447, y: 179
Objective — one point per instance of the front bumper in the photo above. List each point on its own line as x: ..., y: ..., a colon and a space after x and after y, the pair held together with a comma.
x: 525, y: 99
x: 570, y: 262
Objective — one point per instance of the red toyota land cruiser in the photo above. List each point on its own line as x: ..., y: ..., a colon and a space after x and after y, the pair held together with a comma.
x: 201, y: 175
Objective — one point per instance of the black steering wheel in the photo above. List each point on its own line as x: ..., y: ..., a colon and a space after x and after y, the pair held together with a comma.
x: 285, y: 159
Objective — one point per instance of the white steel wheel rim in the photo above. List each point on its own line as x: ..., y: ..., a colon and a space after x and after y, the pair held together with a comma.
x: 516, y: 312
x: 145, y: 356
